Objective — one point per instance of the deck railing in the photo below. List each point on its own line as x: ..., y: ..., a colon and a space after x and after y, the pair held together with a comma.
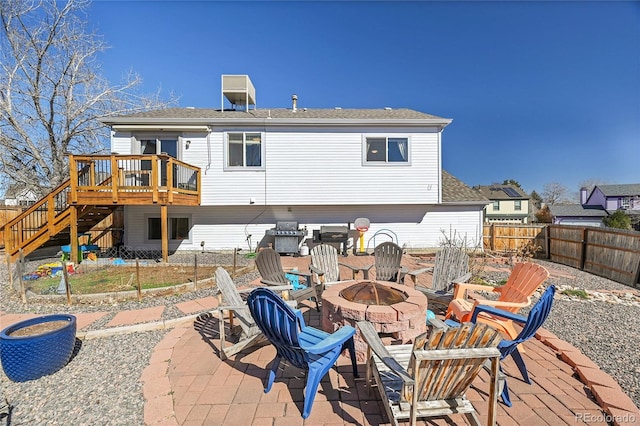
x: 132, y: 179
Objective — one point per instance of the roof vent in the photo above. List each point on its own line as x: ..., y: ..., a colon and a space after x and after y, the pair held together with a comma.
x: 294, y: 100
x: 239, y: 91
x: 387, y: 108
x: 338, y: 108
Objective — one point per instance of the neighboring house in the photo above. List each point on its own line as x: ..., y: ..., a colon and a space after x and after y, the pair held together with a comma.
x: 311, y: 166
x: 509, y: 204
x: 602, y: 201
x: 577, y: 214
x: 15, y: 196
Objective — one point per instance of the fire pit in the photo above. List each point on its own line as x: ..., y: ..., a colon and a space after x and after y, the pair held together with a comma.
x: 394, y: 310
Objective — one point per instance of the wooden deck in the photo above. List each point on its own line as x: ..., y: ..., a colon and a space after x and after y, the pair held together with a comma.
x: 98, y: 184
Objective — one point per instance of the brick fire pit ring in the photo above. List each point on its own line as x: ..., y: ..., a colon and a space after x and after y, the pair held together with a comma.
x: 401, y: 321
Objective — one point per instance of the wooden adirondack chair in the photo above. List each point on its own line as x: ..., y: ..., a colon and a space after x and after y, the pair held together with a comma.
x: 451, y: 267
x: 388, y: 258
x: 232, y: 303
x: 326, y: 267
x: 430, y: 377
x: 273, y: 274
x: 307, y: 348
x: 524, y: 280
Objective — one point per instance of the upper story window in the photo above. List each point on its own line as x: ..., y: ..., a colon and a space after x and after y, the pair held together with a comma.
x: 517, y: 204
x: 496, y: 205
x: 625, y: 203
x: 386, y: 150
x: 244, y: 150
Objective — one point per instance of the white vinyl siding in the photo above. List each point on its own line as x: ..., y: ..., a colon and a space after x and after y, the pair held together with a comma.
x: 226, y: 228
x: 317, y: 166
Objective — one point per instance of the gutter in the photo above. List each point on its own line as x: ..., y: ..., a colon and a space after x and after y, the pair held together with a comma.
x: 143, y: 122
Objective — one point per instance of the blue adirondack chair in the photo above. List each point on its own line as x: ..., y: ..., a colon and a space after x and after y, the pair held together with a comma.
x: 530, y: 325
x: 304, y: 347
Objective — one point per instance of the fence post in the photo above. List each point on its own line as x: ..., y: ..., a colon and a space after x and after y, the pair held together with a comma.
x: 67, y: 286
x: 492, y: 237
x: 583, y: 251
x: 195, y: 271
x: 547, y: 242
x: 138, y: 285
x: 20, y: 271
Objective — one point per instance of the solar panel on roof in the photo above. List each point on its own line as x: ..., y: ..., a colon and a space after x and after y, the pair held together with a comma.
x: 511, y: 192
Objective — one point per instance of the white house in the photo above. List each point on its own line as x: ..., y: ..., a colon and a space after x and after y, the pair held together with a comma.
x: 313, y: 166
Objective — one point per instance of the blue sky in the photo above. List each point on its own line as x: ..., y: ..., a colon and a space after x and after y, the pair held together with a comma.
x: 539, y: 92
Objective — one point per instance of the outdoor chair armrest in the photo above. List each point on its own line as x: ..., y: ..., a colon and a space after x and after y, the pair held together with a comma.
x: 315, y: 270
x: 372, y: 339
x: 270, y: 283
x: 461, y: 288
x: 501, y: 304
x: 336, y: 338
x: 462, y: 279
x: 306, y: 275
x: 414, y: 274
x: 353, y: 268
x: 276, y: 288
x: 365, y: 271
x: 420, y: 271
x: 232, y: 308
x: 492, y: 310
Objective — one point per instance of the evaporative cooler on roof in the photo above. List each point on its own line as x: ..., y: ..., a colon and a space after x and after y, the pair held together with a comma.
x: 239, y: 91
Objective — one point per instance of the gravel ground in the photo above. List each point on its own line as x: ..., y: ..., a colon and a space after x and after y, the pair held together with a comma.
x: 606, y: 332
x: 90, y: 391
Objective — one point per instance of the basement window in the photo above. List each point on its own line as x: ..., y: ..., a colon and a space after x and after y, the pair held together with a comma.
x: 178, y: 228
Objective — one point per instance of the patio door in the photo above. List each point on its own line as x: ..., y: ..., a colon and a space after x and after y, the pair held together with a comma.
x: 152, y: 146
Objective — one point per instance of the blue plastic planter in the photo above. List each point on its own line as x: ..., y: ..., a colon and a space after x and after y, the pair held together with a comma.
x: 31, y: 357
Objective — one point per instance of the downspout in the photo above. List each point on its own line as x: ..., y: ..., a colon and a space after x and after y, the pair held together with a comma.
x: 208, y: 150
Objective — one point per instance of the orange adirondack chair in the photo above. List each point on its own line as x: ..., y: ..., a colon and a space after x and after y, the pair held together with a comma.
x: 524, y: 280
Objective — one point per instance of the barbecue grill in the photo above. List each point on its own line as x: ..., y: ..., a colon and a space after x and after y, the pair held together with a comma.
x: 286, y: 237
x: 332, y: 234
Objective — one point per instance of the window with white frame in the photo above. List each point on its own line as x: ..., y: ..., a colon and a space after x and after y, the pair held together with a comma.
x: 517, y: 204
x: 382, y: 149
x: 178, y: 228
x: 625, y: 203
x: 244, y: 150
x: 496, y: 206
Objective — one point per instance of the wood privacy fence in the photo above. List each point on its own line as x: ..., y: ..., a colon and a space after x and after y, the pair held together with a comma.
x: 607, y: 252
x: 6, y: 214
x: 513, y: 238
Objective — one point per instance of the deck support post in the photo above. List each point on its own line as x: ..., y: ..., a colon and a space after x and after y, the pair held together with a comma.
x: 165, y: 233
x: 73, y: 227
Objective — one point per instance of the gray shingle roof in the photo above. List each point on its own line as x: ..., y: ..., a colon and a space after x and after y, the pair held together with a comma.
x: 455, y: 191
x: 576, y: 210
x: 204, y: 114
x: 496, y: 192
x: 630, y: 189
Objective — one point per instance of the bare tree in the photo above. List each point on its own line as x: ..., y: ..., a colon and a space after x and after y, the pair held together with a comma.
x: 51, y: 91
x: 554, y: 193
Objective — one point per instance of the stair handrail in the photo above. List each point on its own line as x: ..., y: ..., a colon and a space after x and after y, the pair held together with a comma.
x: 50, y: 198
x: 39, y: 203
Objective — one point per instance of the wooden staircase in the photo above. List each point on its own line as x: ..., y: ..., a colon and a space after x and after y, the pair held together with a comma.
x: 47, y: 223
